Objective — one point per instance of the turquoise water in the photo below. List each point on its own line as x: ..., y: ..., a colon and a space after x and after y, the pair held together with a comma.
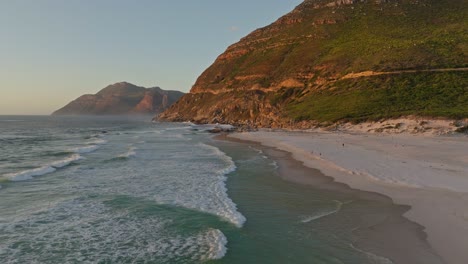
x: 114, y: 190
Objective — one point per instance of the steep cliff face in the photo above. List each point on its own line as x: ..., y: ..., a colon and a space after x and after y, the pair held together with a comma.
x: 122, y: 98
x: 292, y: 70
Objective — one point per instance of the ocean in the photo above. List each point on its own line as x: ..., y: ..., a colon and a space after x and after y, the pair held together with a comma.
x: 126, y: 190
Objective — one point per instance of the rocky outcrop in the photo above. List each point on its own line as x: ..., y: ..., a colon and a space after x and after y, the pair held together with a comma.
x: 276, y: 74
x: 243, y: 109
x: 121, y: 99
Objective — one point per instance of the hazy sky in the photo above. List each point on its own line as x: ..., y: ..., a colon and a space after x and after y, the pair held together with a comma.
x: 52, y: 51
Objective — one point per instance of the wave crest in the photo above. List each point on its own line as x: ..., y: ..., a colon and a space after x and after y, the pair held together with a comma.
x: 130, y: 153
x: 46, y: 169
x: 87, y: 149
x: 230, y: 213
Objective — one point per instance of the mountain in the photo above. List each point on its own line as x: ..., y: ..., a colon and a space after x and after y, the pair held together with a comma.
x: 121, y: 99
x: 334, y: 61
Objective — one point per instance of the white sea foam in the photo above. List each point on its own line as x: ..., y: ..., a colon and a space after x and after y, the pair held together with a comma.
x: 196, y: 179
x: 66, y: 162
x: 259, y: 151
x: 46, y: 169
x: 218, y: 242
x: 324, y: 213
x: 130, y: 153
x: 229, y: 210
x: 373, y: 258
x: 29, y: 174
x: 114, y: 236
x: 274, y: 164
x: 87, y: 149
x: 91, y: 145
x: 191, y: 177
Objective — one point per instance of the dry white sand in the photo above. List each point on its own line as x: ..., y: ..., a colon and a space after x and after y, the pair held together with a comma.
x: 429, y: 173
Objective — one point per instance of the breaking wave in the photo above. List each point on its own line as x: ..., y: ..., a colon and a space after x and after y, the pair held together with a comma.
x: 86, y: 149
x: 46, y: 169
x: 130, y: 153
x: 93, y: 232
x: 229, y: 208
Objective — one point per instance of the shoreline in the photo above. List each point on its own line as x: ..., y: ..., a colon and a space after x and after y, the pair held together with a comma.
x: 392, y: 237
x: 442, y: 209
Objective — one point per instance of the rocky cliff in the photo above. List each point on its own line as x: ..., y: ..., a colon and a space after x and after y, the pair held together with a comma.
x: 329, y: 61
x: 121, y: 99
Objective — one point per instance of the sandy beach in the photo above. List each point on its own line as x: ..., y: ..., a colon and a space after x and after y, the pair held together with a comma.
x: 428, y: 173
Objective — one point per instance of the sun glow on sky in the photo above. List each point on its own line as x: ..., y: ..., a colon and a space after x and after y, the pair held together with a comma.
x: 53, y: 51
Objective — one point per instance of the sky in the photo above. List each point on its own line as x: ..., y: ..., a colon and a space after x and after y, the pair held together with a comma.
x: 53, y: 51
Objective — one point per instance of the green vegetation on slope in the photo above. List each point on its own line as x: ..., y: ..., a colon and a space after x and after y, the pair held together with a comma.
x: 297, y: 64
x: 442, y: 94
x: 400, y: 35
x: 329, y: 41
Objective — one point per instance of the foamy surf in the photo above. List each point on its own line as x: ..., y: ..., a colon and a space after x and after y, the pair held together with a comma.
x: 87, y: 149
x: 114, y: 237
x: 229, y: 208
x: 318, y: 215
x: 373, y: 258
x: 130, y: 153
x: 29, y: 174
x: 66, y: 162
x: 259, y: 151
x: 217, y: 248
x: 167, y: 205
x: 274, y: 164
x: 46, y: 169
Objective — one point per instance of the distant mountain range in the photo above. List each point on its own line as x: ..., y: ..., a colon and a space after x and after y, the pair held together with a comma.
x: 333, y: 61
x: 122, y: 99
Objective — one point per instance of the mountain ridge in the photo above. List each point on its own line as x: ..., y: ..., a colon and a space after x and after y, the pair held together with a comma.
x: 120, y: 99
x: 291, y: 71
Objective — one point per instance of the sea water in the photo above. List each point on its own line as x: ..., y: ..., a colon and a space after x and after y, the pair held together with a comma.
x: 126, y: 190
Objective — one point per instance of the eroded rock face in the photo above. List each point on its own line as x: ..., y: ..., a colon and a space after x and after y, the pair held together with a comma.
x: 121, y: 99
x: 243, y: 109
x: 258, y: 80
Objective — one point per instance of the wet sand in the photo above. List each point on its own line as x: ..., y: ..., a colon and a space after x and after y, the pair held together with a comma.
x: 427, y: 172
x: 385, y: 233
